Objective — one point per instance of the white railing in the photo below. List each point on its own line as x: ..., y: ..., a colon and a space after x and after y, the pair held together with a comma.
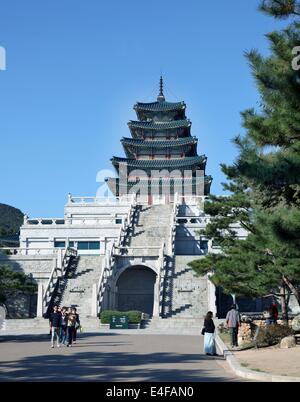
x: 126, y: 199
x: 109, y: 259
x: 28, y: 251
x: 192, y: 199
x: 127, y: 224
x: 189, y: 220
x: 58, y: 271
x: 173, y: 223
x: 138, y: 248
x: 107, y: 266
x: 74, y: 220
x: 44, y: 221
x: 141, y: 251
x: 161, y: 277
x: 103, y: 220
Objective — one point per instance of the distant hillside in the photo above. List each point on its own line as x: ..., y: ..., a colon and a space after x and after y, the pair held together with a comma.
x: 10, y: 220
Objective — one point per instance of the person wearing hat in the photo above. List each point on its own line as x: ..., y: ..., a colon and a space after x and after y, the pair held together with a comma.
x: 233, y: 321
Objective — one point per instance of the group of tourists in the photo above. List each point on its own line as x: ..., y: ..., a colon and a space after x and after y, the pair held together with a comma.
x: 233, y: 322
x: 64, y: 324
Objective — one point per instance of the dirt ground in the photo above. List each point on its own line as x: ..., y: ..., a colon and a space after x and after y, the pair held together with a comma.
x: 272, y: 360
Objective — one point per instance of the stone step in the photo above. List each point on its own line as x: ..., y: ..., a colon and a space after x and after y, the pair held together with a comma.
x: 42, y: 324
x: 172, y: 323
x: 26, y: 323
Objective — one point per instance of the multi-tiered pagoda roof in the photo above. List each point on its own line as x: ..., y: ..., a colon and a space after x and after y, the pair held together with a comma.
x: 161, y: 141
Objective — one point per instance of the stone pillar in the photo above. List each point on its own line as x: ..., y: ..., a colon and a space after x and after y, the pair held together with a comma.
x: 94, y: 311
x: 211, y: 296
x: 40, y: 307
x: 156, y: 297
x: 26, y: 217
x: 59, y: 259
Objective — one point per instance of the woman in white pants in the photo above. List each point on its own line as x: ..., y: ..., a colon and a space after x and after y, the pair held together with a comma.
x: 209, y: 335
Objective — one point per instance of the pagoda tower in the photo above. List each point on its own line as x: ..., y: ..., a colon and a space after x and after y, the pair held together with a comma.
x: 161, y: 155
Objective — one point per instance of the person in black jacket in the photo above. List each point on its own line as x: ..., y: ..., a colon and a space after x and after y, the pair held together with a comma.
x: 77, y: 325
x: 209, y: 335
x: 55, y: 324
x: 63, y: 328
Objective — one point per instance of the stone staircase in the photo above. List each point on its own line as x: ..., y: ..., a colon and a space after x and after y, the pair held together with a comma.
x: 78, y: 287
x: 26, y: 325
x: 152, y: 225
x: 173, y: 324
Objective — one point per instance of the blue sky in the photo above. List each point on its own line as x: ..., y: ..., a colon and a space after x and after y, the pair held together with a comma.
x: 76, y: 68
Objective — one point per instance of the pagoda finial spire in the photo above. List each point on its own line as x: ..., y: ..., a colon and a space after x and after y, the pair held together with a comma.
x: 161, y: 96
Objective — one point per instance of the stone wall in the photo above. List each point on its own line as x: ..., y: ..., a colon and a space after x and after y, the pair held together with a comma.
x: 40, y: 267
x: 247, y: 330
x: 21, y: 306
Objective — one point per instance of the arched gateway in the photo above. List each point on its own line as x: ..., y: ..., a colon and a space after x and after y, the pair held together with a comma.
x: 135, y: 289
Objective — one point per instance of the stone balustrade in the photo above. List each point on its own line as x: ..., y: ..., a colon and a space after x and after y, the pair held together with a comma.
x: 28, y: 251
x: 137, y: 251
x: 192, y: 220
x: 126, y: 200
x: 44, y: 221
x: 108, y: 219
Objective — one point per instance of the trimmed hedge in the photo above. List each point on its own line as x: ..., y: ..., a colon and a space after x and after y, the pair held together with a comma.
x: 134, y: 317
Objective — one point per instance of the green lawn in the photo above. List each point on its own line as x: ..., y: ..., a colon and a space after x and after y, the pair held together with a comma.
x: 225, y: 336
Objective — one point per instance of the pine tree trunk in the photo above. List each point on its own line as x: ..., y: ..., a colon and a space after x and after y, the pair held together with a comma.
x: 284, y: 309
x: 292, y: 288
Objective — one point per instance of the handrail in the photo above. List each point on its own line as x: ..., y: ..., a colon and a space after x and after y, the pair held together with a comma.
x: 193, y: 217
x: 128, y: 223
x: 173, y: 225
x: 161, y: 277
x: 138, y: 247
x: 189, y: 199
x: 58, y: 271
x: 105, y: 271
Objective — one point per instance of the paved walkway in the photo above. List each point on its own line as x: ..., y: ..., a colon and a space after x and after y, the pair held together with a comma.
x: 110, y: 357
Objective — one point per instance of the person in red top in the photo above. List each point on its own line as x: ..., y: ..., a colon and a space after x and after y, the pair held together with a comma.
x: 274, y: 312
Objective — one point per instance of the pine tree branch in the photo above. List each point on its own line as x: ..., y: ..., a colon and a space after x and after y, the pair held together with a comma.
x: 281, y: 11
x: 247, y: 227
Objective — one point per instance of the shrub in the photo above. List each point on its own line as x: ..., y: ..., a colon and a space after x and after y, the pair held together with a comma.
x: 223, y: 329
x: 134, y: 317
x: 272, y: 335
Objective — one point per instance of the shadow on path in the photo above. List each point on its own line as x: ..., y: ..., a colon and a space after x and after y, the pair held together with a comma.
x: 106, y: 361
x: 97, y: 366
x: 46, y: 337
